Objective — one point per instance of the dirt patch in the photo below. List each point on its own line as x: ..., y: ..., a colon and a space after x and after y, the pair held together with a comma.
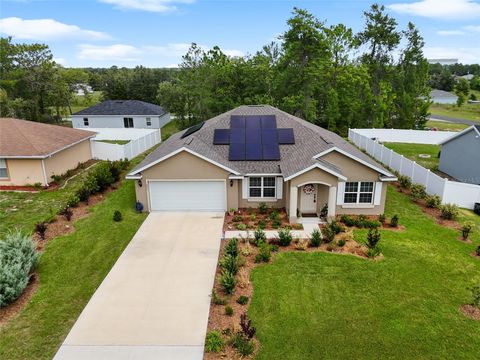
x: 467, y: 241
x: 8, y: 312
x: 252, y: 218
x: 474, y: 254
x: 471, y: 311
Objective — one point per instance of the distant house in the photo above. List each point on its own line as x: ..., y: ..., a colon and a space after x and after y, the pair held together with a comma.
x: 31, y: 152
x: 83, y: 89
x: 443, y: 97
x: 121, y: 114
x: 460, y: 155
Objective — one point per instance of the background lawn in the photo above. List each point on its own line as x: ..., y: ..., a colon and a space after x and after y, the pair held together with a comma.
x: 118, y: 142
x: 412, y: 151
x: 466, y: 111
x: 406, y: 306
x: 171, y: 128
x: 446, y: 126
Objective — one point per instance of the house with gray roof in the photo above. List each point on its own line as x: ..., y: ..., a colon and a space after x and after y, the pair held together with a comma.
x: 443, y: 97
x: 121, y: 114
x: 460, y: 155
x: 260, y: 154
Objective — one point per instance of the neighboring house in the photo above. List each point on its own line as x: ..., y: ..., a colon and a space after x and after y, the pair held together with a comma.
x: 31, y: 152
x: 256, y: 154
x: 460, y: 155
x: 467, y: 77
x: 443, y: 97
x: 121, y: 114
x: 83, y: 89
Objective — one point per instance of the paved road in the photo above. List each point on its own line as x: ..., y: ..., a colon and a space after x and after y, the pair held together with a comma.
x: 155, y: 301
x: 453, y: 120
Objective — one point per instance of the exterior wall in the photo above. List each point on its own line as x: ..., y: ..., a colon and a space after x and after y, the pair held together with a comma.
x: 23, y: 172
x: 67, y: 159
x: 371, y: 210
x: 116, y: 121
x: 460, y: 158
x: 353, y: 170
x: 246, y: 203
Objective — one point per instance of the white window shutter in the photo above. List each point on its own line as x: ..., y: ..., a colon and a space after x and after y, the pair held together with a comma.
x: 245, y: 188
x: 279, y: 187
x: 340, y: 192
x: 378, y: 193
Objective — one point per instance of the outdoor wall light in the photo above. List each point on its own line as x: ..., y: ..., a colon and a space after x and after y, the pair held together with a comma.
x: 231, y: 183
x: 140, y: 183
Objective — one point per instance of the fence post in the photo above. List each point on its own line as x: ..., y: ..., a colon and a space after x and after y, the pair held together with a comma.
x: 401, y: 164
x: 390, y: 160
x: 444, y: 191
x: 427, y: 180
x: 413, y: 169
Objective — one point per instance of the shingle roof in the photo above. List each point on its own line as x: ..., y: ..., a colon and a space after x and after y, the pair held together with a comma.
x: 310, y: 140
x: 22, y: 138
x: 123, y: 107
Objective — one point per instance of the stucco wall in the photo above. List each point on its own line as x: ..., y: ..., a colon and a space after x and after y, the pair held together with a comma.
x: 353, y: 170
x: 23, y: 172
x: 67, y: 159
x: 116, y: 121
x: 372, y: 210
x: 245, y: 203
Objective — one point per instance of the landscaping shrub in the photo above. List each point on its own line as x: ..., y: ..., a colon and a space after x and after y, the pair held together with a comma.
x: 67, y: 213
x: 373, y: 237
x: 316, y: 238
x: 467, y: 228
x: 329, y: 234
x: 217, y: 300
x: 227, y: 282
x: 214, y: 342
x: 348, y: 220
x: 91, y: 184
x: 262, y: 208
x: 274, y: 248
x: 336, y: 227
x: 276, y: 223
x: 229, y: 263
x: 324, y: 211
x: 83, y: 193
x: 242, y: 300
x: 259, y: 237
x: 394, y: 221
x: 73, y: 201
x: 301, y: 244
x: 117, y: 216
x: 476, y: 296
x: 449, y: 211
x: 237, y: 218
x: 274, y: 215
x: 41, y: 229
x: 228, y: 310
x: 103, y: 175
x: 241, y: 227
x: 246, y: 325
x: 264, y: 253
x: 18, y: 258
x: 253, y: 217
x: 284, y: 237
x: 243, y: 345
x: 382, y: 218
x: 418, y: 192
x: 404, y: 181
x: 433, y: 201
x: 56, y: 178
x: 477, y: 251
x: 373, y: 252
x: 231, y: 248
x: 341, y: 242
x: 262, y: 224
x: 116, y: 168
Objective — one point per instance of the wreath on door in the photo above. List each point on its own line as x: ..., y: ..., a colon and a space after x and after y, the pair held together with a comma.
x: 308, y: 189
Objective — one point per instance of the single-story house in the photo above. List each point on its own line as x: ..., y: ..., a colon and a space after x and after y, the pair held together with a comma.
x: 121, y: 114
x: 31, y: 152
x: 443, y: 97
x: 256, y: 154
x: 460, y: 155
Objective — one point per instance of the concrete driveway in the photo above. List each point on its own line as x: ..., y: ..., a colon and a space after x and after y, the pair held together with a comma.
x: 154, y: 303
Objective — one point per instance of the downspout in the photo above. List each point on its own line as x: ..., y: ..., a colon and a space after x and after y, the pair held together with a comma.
x: 44, y: 173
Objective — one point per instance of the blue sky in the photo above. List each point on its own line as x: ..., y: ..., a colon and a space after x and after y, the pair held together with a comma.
x: 157, y: 33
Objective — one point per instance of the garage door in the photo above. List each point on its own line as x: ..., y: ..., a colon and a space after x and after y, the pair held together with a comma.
x: 187, y: 195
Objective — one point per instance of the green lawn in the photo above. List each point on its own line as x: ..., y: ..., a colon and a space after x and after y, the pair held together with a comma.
x: 118, y: 142
x: 329, y: 306
x: 466, y: 111
x: 412, y: 152
x: 169, y: 129
x: 446, y: 126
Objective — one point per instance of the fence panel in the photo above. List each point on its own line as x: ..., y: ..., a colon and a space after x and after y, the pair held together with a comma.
x: 107, y: 151
x: 405, y: 136
x: 462, y: 194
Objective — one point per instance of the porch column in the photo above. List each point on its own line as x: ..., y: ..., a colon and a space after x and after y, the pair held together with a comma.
x: 332, y: 197
x: 292, y: 212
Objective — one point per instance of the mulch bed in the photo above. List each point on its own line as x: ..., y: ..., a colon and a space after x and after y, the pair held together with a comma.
x: 8, y: 312
x: 471, y: 311
x: 251, y: 217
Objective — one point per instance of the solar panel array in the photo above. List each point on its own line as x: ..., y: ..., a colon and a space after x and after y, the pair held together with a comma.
x: 253, y: 138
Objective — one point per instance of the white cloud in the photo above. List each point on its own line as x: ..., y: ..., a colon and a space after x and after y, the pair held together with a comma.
x: 450, y: 32
x: 443, y: 9
x: 46, y: 29
x: 60, y: 61
x: 116, y: 52
x: 177, y: 49
x: 147, y: 5
x: 233, y: 52
x: 472, y: 28
x: 464, y: 55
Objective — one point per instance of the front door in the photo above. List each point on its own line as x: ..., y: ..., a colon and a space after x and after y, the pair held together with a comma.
x: 308, y: 199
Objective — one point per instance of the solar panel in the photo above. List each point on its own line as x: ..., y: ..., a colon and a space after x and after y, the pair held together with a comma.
x: 237, y: 121
x: 221, y: 137
x: 236, y: 152
x: 237, y: 135
x: 254, y: 152
x: 252, y: 122
x: 271, y: 152
x: 269, y: 136
x: 269, y: 121
x: 253, y: 136
x: 285, y: 136
x: 192, y: 129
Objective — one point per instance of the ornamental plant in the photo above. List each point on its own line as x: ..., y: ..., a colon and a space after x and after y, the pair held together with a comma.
x: 433, y: 201
x: 315, y: 238
x: 418, y: 192
x: 467, y: 228
x: 214, y: 342
x: 284, y: 237
x: 449, y: 211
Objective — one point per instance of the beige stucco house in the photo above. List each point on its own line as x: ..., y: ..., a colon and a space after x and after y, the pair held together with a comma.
x: 31, y: 152
x: 256, y: 154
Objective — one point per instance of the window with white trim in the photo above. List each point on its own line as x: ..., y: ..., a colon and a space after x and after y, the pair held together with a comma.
x: 262, y: 187
x: 85, y: 122
x: 3, y: 169
x: 360, y: 192
x: 149, y: 121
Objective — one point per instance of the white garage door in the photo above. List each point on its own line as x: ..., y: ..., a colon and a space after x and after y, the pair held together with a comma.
x: 187, y: 195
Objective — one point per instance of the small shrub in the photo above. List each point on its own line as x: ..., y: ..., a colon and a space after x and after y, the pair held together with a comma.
x: 262, y: 208
x: 253, y: 217
x: 274, y: 215
x: 476, y: 296
x: 237, y: 218
x: 329, y: 234
x: 102, y: 175
x: 229, y: 264
x: 382, y: 218
x: 259, y: 237
x: 418, y: 192
x: 242, y: 227
x: 231, y: 248
x: 83, y: 194
x: 336, y: 227
x: 274, y: 248
x: 276, y: 223
x: 433, y: 201
x: 243, y: 278
x: 246, y: 325
x: 394, y: 221
x: 91, y: 184
x: 117, y: 216
x: 73, y: 201
x: 67, y: 213
x: 341, y: 242
x: 404, y: 182
x: 262, y: 224
x: 217, y: 300
x: 373, y: 252
x: 373, y: 237
x: 477, y: 251
x: 56, y: 178
x: 228, y: 282
x: 228, y: 310
x: 449, y: 211
x: 467, y: 228
x: 284, y: 237
x: 243, y: 345
x: 264, y: 253
x: 41, y: 229
x: 316, y: 238
x: 242, y: 300
x: 324, y: 211
x: 214, y: 342
x: 302, y: 244
x: 348, y: 220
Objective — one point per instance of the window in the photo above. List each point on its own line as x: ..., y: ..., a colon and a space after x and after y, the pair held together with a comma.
x: 128, y: 122
x: 3, y: 168
x: 149, y: 121
x: 358, y: 192
x: 262, y: 187
x: 85, y: 122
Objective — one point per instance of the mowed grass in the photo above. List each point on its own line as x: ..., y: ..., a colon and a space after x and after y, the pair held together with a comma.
x: 466, y: 111
x: 446, y: 126
x: 406, y: 306
x: 70, y: 270
x: 412, y: 152
x: 171, y: 128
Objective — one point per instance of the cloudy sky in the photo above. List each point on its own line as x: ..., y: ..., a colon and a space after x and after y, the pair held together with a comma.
x: 157, y: 33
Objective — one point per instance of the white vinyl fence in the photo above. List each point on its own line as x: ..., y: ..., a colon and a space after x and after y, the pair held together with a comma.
x: 461, y: 194
x: 140, y: 141
x: 406, y: 136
